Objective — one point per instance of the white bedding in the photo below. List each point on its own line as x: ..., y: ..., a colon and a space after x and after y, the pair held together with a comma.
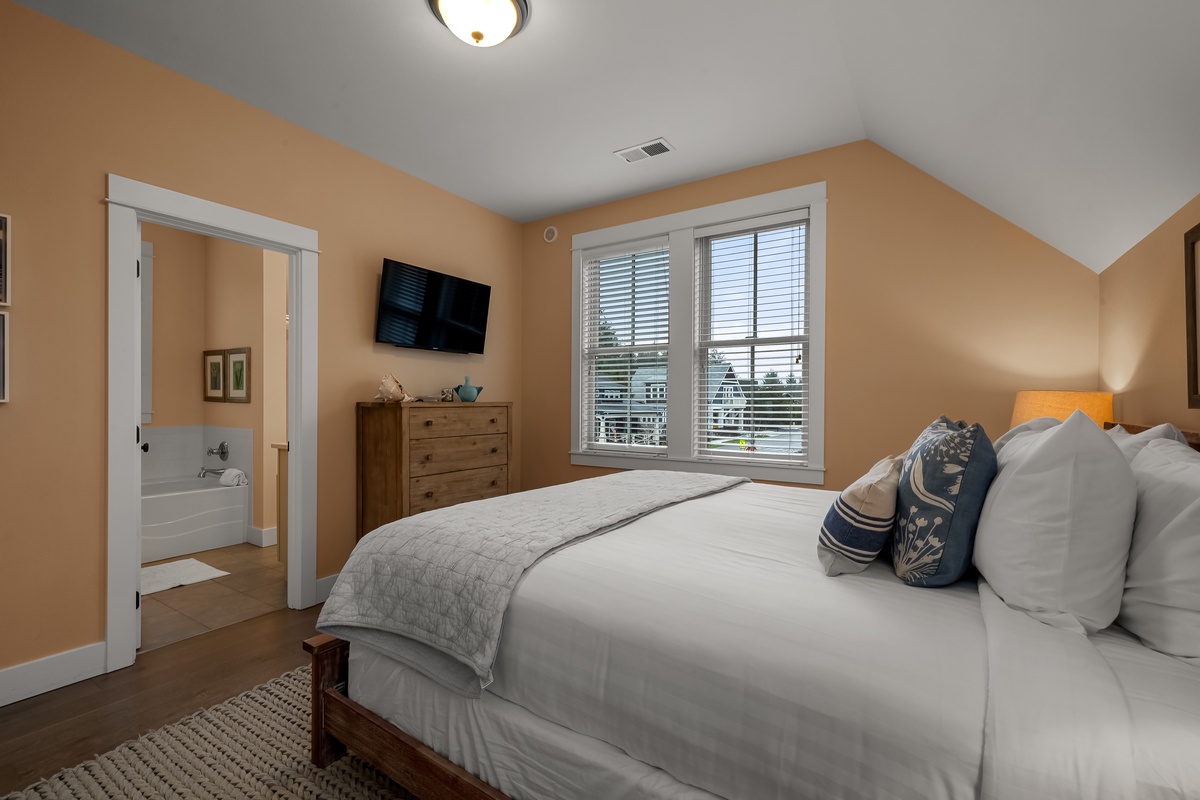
x: 703, y: 646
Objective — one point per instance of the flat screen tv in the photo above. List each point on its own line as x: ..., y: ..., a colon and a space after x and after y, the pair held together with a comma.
x: 430, y: 310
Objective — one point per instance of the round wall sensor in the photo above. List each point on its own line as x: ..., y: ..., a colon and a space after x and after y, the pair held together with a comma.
x: 550, y: 234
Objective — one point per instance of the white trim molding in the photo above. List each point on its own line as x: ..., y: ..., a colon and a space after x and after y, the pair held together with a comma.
x: 52, y: 672
x: 129, y: 204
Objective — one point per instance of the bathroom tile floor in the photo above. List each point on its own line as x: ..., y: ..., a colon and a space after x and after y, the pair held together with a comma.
x: 256, y: 584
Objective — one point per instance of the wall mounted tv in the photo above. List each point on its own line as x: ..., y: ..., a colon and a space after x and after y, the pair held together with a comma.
x: 430, y: 310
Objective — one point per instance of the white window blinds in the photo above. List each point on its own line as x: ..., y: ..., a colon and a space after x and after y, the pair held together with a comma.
x: 752, y: 390
x: 625, y: 341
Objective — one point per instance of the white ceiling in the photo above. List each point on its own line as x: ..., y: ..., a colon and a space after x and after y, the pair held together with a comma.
x: 1078, y: 120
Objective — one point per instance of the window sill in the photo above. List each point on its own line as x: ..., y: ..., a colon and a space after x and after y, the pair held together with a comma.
x: 810, y: 475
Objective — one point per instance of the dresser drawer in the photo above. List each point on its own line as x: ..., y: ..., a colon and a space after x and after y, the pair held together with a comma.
x: 434, y: 456
x: 446, y: 489
x: 460, y: 419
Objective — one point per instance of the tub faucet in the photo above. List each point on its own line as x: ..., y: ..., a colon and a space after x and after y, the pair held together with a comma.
x: 206, y: 471
x: 221, y: 450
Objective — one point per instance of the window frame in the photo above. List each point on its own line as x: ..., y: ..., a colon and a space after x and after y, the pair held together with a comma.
x: 681, y: 231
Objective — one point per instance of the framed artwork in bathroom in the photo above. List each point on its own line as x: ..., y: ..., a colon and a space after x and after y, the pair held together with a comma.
x: 5, y: 257
x: 3, y: 356
x: 214, y: 376
x: 237, y: 375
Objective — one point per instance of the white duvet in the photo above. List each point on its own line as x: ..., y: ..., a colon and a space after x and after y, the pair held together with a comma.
x: 706, y: 642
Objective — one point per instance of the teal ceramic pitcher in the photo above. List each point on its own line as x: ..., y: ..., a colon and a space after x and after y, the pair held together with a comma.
x: 466, y: 392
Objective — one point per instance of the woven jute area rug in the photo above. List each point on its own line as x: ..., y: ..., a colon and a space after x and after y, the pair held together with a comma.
x: 253, y: 746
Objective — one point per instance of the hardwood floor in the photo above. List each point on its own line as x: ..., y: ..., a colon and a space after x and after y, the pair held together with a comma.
x: 60, y: 729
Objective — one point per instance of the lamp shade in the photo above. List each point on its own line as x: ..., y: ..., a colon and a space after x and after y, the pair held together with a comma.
x: 1060, y: 405
x: 481, y: 23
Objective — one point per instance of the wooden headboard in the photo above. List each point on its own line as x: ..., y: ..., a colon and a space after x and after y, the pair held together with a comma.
x: 1193, y: 438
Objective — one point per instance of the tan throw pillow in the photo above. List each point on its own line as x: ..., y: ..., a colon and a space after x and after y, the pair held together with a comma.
x: 860, y: 520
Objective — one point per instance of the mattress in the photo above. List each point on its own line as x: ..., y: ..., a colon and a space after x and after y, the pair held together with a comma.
x: 704, y: 643
x: 523, y: 755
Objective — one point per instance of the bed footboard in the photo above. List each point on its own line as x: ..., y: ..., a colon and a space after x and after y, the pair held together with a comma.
x: 339, y: 723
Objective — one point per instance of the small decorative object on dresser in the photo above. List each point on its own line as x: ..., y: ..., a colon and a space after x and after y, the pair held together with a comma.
x: 390, y: 389
x: 415, y: 457
x: 466, y: 392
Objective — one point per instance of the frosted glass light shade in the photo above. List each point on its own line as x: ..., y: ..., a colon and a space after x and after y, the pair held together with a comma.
x: 481, y: 23
x: 1060, y: 405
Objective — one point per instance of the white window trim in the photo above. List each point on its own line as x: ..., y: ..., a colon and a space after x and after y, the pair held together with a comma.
x: 681, y: 230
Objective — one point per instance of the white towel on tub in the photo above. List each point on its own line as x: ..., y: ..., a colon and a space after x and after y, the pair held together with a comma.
x: 234, y: 477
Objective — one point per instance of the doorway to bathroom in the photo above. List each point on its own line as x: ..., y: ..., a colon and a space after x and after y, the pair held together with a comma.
x: 214, y: 415
x: 130, y: 205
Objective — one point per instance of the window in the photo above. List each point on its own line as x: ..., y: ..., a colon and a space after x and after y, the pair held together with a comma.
x: 699, y: 340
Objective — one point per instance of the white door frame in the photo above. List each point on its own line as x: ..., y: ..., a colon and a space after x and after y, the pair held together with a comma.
x: 129, y: 204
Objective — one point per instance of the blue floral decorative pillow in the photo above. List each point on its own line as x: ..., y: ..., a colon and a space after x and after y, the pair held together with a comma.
x: 943, y: 484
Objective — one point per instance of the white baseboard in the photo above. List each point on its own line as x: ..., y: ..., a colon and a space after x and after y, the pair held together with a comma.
x: 325, y: 586
x: 262, y: 537
x: 21, y: 681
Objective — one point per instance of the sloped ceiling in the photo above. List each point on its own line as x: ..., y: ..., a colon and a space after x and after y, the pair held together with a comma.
x: 1078, y: 120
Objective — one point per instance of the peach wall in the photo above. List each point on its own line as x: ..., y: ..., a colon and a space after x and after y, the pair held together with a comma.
x: 234, y: 318
x: 934, y: 306
x: 1143, y: 356
x: 77, y: 109
x: 179, y: 267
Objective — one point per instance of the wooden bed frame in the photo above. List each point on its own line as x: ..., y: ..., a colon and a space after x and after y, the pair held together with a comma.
x: 339, y: 723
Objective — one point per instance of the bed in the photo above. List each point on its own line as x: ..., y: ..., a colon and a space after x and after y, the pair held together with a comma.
x: 699, y: 649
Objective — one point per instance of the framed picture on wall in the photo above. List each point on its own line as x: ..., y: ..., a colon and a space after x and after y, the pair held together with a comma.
x: 3, y: 356
x: 214, y: 376
x: 5, y: 257
x: 1191, y: 282
x: 237, y: 375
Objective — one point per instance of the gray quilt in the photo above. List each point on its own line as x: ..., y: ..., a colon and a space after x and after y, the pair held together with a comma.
x: 431, y: 590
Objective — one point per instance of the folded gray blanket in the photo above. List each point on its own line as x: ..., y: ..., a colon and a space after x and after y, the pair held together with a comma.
x: 431, y: 590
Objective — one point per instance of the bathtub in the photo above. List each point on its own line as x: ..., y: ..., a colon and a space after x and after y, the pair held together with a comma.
x: 187, y: 515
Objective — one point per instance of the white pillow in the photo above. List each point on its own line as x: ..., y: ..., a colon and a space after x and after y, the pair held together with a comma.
x: 1162, y: 585
x: 1054, y: 534
x: 1132, y: 443
x: 1035, y: 425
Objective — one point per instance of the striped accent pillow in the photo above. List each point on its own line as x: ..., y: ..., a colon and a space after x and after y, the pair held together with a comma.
x: 861, y: 519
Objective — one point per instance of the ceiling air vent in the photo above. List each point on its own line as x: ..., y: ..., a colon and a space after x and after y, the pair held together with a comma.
x: 643, y: 151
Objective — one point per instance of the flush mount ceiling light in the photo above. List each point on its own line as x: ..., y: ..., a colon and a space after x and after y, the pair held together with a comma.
x: 482, y: 23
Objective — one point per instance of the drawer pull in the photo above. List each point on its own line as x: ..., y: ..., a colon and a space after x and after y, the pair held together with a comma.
x: 428, y: 494
x: 428, y: 423
x: 495, y: 449
x: 493, y: 483
x: 493, y: 420
x: 429, y: 457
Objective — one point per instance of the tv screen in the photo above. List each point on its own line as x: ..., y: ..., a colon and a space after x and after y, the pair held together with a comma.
x: 430, y: 310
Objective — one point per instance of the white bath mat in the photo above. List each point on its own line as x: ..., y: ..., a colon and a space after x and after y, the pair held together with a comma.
x: 161, y: 577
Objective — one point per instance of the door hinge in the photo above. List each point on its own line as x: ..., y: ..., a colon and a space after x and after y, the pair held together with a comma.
x: 137, y: 600
x: 137, y: 439
x: 139, y: 268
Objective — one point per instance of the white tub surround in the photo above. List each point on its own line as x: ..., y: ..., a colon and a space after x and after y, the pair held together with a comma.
x: 188, y: 515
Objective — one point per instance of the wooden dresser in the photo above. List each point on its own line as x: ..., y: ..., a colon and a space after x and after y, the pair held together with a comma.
x: 414, y: 457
